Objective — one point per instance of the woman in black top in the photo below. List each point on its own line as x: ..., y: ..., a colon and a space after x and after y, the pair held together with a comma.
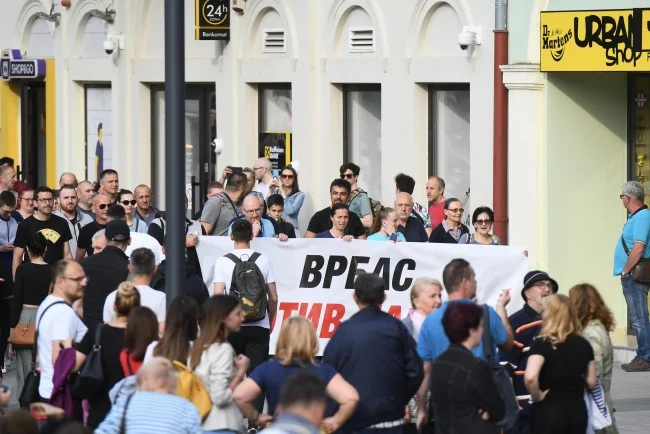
x: 465, y: 399
x: 31, y: 287
x: 560, y: 363
x: 451, y: 228
x: 112, y: 342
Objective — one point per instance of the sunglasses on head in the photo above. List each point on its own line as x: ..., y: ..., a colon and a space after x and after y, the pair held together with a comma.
x: 347, y: 176
x: 128, y: 202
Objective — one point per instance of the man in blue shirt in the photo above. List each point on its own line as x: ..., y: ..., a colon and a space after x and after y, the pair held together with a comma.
x: 632, y: 246
x: 459, y: 279
x: 253, y: 210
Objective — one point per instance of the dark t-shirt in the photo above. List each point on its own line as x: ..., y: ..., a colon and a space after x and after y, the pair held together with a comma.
x: 55, y: 230
x: 565, y: 366
x: 86, y: 236
x: 112, y: 343
x: 326, y: 234
x: 31, y: 287
x: 270, y: 376
x: 321, y: 222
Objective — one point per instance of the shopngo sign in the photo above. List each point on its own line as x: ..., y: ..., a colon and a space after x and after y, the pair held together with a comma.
x: 315, y: 278
x: 611, y: 40
x: 13, y: 67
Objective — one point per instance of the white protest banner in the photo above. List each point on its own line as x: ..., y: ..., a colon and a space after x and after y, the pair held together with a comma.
x: 315, y: 277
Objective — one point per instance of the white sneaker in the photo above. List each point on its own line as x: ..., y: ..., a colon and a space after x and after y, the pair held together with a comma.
x: 4, y: 370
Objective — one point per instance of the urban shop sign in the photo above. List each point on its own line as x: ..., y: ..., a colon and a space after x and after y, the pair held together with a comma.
x: 612, y: 40
x: 13, y: 67
x: 212, y: 20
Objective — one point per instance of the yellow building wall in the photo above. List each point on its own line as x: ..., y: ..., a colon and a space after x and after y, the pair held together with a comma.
x: 587, y: 165
x: 9, y: 120
x: 50, y: 122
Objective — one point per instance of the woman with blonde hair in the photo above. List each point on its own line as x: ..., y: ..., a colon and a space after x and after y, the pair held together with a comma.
x: 213, y: 360
x: 597, y: 321
x: 561, y: 361
x: 111, y: 339
x: 296, y: 349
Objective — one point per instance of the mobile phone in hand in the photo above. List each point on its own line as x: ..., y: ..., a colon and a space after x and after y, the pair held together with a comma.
x: 393, y: 237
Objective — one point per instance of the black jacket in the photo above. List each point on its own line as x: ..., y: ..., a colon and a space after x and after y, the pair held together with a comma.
x: 194, y: 285
x: 105, y: 272
x: 375, y: 353
x: 440, y: 235
x: 461, y: 385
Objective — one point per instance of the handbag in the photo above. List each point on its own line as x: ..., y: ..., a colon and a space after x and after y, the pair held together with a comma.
x: 23, y: 335
x: 30, y: 394
x: 91, y: 376
x: 599, y: 415
x: 500, y: 377
x: 641, y: 271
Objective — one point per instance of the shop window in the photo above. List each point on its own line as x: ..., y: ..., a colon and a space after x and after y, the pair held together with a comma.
x: 275, y: 124
x: 99, y: 131
x: 449, y: 144
x: 639, y: 166
x: 362, y: 134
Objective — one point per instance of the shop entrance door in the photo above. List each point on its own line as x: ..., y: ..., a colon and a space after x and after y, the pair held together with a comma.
x: 200, y: 131
x: 33, y: 150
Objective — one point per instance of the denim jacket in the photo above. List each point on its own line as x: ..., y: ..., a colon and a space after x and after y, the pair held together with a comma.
x: 292, y: 205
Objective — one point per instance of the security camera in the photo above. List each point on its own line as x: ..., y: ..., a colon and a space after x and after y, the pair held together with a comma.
x: 217, y: 146
x: 109, y: 46
x: 469, y: 36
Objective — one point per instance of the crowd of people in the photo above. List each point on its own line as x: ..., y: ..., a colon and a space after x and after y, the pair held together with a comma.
x: 83, y: 274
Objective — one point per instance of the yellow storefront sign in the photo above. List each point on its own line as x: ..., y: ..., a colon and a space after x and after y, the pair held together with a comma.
x: 612, y: 40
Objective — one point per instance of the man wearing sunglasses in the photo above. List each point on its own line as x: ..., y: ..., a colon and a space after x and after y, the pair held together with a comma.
x: 359, y: 202
x: 75, y: 218
x: 54, y: 228
x: 100, y: 206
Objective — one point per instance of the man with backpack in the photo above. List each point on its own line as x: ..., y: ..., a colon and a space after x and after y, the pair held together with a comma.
x: 359, y: 202
x: 249, y: 276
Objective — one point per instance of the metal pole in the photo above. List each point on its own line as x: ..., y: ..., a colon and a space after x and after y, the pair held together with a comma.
x: 500, y: 142
x: 175, y: 147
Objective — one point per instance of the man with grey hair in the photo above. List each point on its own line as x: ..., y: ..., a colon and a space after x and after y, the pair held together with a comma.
x: 411, y: 227
x: 99, y: 241
x: 632, y: 247
x: 68, y: 178
x: 7, y: 179
x: 142, y: 266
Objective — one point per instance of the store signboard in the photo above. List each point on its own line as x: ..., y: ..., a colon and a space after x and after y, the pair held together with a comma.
x: 608, y: 40
x: 212, y: 20
x: 14, y: 67
x: 277, y: 148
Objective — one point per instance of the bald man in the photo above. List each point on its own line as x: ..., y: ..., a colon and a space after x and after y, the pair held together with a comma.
x: 68, y: 178
x: 253, y: 211
x: 411, y: 227
x: 264, y: 176
x: 100, y: 206
x: 143, y: 210
x: 85, y: 194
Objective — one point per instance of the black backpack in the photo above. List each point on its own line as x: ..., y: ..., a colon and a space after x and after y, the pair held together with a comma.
x: 249, y: 286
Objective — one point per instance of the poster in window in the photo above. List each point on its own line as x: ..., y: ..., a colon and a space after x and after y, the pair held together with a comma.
x: 277, y: 148
x: 99, y: 132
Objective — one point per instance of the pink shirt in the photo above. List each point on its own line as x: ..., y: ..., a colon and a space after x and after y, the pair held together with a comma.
x: 437, y: 213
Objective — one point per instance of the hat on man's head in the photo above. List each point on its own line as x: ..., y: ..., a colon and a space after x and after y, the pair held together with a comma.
x: 117, y: 230
x: 533, y: 277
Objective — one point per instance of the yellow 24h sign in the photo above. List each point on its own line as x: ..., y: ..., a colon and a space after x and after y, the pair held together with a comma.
x: 612, y: 40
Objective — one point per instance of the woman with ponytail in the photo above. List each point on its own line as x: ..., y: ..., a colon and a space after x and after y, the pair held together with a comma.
x: 111, y: 340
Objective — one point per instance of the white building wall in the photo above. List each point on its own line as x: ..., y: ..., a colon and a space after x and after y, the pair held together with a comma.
x: 415, y: 45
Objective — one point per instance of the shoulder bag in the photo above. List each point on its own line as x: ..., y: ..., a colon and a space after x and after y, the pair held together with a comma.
x: 23, y: 336
x: 641, y: 271
x: 30, y: 394
x: 91, y: 376
x: 500, y: 376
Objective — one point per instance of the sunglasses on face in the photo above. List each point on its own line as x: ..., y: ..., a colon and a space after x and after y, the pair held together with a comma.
x: 283, y: 176
x: 126, y: 203
x: 456, y: 210
x: 347, y: 176
x: 483, y: 222
x: 103, y: 205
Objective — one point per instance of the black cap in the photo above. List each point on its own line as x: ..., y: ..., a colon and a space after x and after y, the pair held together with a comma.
x: 533, y: 277
x: 117, y: 230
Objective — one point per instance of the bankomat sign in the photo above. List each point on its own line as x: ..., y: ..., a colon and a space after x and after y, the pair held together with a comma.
x: 14, y: 67
x: 611, y: 40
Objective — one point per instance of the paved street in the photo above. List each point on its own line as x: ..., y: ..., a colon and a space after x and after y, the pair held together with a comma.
x: 631, y: 394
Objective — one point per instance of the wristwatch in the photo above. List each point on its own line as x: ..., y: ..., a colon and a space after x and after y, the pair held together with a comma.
x: 624, y: 274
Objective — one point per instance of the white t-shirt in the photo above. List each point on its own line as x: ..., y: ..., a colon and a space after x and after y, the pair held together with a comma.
x: 148, y: 355
x: 149, y: 297
x: 263, y: 188
x: 139, y: 240
x: 224, y: 267
x: 59, y: 323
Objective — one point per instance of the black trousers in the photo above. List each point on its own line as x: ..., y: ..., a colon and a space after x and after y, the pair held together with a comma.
x: 5, y: 312
x: 253, y: 342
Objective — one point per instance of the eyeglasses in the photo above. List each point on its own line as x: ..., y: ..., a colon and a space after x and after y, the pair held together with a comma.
x: 543, y: 285
x: 457, y: 210
x: 258, y: 168
x: 7, y: 211
x: 103, y: 205
x: 253, y: 211
x: 50, y: 200
x: 28, y: 199
x: 347, y: 175
x: 125, y: 203
x: 624, y: 195
x: 483, y: 222
x: 77, y: 279
x: 283, y: 176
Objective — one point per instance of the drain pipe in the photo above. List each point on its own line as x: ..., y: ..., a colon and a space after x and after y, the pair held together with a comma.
x: 500, y: 144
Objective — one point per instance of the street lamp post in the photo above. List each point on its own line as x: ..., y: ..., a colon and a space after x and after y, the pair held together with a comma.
x: 174, y: 147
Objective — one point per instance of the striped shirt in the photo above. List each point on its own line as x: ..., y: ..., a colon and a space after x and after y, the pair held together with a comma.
x: 150, y: 412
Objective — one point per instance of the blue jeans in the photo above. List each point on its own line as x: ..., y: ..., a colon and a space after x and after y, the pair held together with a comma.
x: 636, y: 297
x: 394, y: 430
